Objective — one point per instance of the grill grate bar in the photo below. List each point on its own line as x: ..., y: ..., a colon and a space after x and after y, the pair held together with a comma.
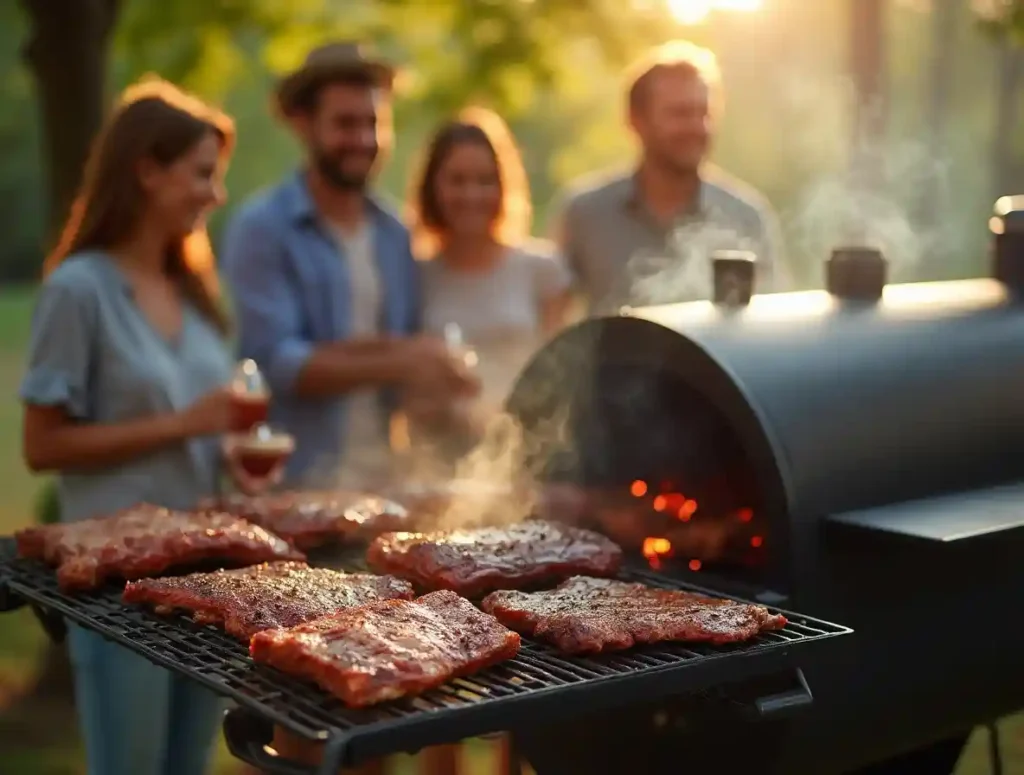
x: 539, y: 680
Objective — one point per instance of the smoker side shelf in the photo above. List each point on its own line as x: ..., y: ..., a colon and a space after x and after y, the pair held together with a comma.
x: 945, y: 519
x: 540, y: 686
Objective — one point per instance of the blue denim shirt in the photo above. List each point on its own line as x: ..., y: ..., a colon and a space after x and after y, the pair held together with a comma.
x: 292, y: 293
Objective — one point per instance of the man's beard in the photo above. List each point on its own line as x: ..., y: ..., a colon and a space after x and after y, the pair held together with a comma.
x: 330, y: 169
x: 681, y: 168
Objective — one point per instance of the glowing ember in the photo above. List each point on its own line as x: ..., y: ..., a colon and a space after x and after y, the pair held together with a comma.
x: 687, y: 510
x: 656, y: 546
x: 660, y: 503
x: 654, y: 549
x: 638, y: 489
x: 745, y: 515
x: 695, y: 565
x: 756, y: 541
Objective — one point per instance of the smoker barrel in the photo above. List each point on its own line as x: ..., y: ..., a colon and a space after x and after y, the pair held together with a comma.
x: 838, y: 408
x: 845, y: 428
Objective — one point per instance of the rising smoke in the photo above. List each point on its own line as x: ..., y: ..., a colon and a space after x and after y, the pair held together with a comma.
x: 894, y: 194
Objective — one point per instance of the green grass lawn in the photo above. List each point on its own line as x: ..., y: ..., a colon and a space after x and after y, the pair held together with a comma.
x: 21, y: 638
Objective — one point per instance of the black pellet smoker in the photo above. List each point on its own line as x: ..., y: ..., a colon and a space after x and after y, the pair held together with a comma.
x: 855, y: 455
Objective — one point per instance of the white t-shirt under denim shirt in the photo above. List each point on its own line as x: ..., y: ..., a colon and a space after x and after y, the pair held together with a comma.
x: 500, y: 311
x: 367, y: 454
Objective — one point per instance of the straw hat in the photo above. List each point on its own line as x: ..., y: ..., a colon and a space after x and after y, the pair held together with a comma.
x: 329, y: 62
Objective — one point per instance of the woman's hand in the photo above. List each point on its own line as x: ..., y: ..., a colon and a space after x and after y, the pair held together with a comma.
x: 434, y: 370
x: 209, y: 415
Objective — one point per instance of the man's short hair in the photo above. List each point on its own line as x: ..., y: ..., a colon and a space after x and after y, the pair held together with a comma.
x: 678, y: 56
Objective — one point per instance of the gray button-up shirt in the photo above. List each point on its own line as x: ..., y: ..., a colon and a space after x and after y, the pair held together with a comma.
x: 95, y: 354
x: 621, y: 254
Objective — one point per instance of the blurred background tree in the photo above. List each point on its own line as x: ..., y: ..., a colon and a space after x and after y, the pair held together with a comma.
x: 552, y: 67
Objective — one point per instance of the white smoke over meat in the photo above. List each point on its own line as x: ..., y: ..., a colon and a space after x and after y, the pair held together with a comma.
x: 497, y: 479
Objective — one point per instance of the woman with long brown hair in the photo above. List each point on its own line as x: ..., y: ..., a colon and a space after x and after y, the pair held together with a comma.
x: 126, y: 389
x: 483, y: 276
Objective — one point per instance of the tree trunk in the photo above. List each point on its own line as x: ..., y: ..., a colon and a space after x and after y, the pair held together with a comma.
x: 945, y: 25
x: 67, y: 53
x: 945, y: 18
x: 1004, y: 163
x: 868, y: 69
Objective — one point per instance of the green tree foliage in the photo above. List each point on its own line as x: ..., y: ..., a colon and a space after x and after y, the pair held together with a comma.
x: 550, y: 66
x: 1001, y: 19
x: 463, y: 50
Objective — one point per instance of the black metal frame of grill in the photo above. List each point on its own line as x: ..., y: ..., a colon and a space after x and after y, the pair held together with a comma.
x: 538, y: 686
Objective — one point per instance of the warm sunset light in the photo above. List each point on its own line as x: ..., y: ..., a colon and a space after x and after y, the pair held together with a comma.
x: 696, y: 11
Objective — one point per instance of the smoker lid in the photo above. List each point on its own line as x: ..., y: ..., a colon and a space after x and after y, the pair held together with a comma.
x: 841, y: 408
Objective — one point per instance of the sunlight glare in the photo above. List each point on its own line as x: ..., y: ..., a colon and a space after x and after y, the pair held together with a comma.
x: 696, y: 11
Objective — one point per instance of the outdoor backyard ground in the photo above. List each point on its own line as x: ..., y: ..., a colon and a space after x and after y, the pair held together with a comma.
x: 24, y: 751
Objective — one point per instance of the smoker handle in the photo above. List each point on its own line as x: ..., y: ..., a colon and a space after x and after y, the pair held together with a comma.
x: 9, y: 599
x: 246, y: 735
x: 785, y: 703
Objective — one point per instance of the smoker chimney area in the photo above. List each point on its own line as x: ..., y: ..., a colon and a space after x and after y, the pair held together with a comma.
x: 865, y: 468
x: 857, y: 274
x: 734, y: 273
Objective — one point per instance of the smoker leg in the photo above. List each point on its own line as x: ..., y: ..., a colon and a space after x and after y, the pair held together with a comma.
x: 939, y: 758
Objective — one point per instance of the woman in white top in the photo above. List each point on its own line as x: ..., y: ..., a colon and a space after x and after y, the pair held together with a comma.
x: 469, y: 212
x: 470, y: 219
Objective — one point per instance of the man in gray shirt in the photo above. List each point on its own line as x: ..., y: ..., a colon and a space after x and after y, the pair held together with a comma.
x: 646, y: 237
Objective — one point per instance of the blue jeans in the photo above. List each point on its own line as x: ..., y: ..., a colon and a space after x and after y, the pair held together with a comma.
x: 137, y: 718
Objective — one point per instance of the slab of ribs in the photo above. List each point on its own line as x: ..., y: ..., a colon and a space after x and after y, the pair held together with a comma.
x: 147, y: 540
x: 588, y: 615
x: 269, y: 596
x: 475, y: 562
x: 389, y: 649
x: 311, y: 519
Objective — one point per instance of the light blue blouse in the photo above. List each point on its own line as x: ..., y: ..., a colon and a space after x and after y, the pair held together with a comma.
x: 94, y: 352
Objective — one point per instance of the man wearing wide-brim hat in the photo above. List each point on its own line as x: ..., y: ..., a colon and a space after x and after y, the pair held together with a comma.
x: 325, y: 287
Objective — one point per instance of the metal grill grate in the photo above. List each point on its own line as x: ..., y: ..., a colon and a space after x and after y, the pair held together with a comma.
x: 539, y: 684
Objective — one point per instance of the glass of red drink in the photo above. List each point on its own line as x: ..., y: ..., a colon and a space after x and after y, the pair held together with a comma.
x: 251, y: 397
x: 261, y: 453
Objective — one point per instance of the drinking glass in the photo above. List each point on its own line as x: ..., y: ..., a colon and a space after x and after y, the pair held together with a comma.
x: 456, y: 342
x: 250, y: 397
x: 258, y: 456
